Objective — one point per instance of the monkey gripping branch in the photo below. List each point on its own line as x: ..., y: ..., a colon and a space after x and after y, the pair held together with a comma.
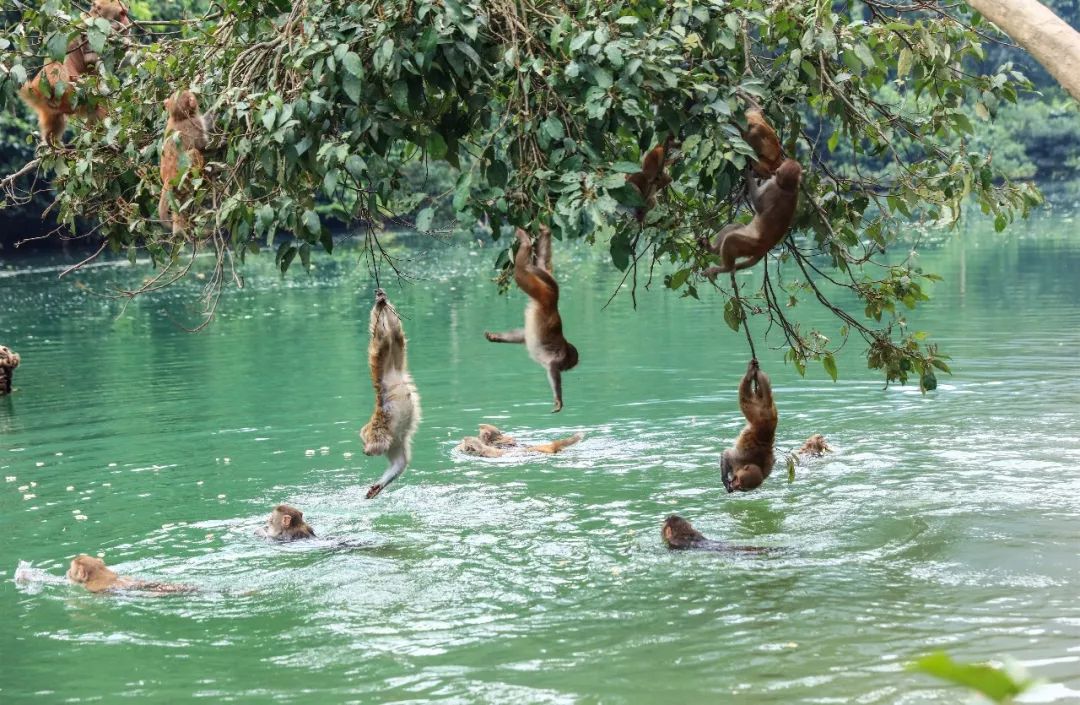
x: 542, y: 109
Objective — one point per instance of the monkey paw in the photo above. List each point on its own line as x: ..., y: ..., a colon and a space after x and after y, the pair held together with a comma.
x: 490, y: 336
x: 374, y: 491
x: 558, y: 406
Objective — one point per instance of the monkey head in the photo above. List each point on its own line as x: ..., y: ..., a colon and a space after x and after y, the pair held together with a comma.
x: 815, y: 445
x: 789, y: 175
x: 8, y: 359
x: 679, y: 533
x: 380, y: 296
x: 182, y: 106
x: 112, y: 10
x: 91, y: 572
x: 570, y: 358
x: 471, y: 445
x: 492, y: 436
x: 287, y: 523
x: 746, y: 478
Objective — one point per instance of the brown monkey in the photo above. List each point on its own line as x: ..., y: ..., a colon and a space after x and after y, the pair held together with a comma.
x: 774, y: 206
x: 8, y: 362
x: 652, y: 179
x: 542, y: 334
x: 92, y: 574
x: 493, y: 443
x: 760, y: 135
x: 286, y: 523
x: 397, y: 403
x: 746, y: 466
x: 679, y: 534
x: 40, y: 92
x: 815, y: 446
x: 186, y: 126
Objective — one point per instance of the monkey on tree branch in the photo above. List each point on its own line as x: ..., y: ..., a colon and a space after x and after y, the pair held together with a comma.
x: 542, y: 112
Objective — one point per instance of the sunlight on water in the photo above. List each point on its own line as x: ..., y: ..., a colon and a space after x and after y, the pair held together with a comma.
x: 940, y: 521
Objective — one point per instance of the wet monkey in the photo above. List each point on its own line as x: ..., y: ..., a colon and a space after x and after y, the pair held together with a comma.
x: 543, y: 332
x: 679, y: 534
x: 743, y: 245
x: 815, y: 446
x: 40, y: 91
x: 95, y: 576
x: 652, y: 179
x: 396, y: 416
x: 493, y: 443
x: 750, y: 462
x: 286, y: 523
x: 185, y: 134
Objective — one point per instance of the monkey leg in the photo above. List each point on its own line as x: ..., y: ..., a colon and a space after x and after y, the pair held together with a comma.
x: 399, y: 460
x: 511, y: 336
x: 726, y: 471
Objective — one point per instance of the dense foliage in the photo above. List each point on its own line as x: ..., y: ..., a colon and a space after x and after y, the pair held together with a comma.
x: 331, y: 111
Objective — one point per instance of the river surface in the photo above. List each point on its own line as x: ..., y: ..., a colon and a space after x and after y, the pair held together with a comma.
x: 949, y: 520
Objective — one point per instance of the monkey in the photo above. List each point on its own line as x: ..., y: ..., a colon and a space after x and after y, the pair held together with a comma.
x: 543, y: 332
x: 397, y: 403
x: 8, y: 362
x: 760, y: 135
x: 774, y: 206
x: 652, y: 179
x: 40, y: 92
x: 92, y: 574
x: 750, y: 462
x: 286, y: 523
x: 493, y: 443
x: 679, y: 534
x: 187, y: 126
x: 815, y: 446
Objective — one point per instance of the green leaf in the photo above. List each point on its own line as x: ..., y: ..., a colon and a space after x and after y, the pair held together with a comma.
x: 903, y: 64
x: 497, y: 173
x: 865, y: 56
x: 311, y: 223
x: 620, y: 250
x: 327, y: 241
x: 830, y: 365
x: 553, y: 128
x: 678, y: 278
x: 733, y: 314
x: 287, y: 258
x: 436, y: 146
x: 56, y: 46
x: 983, y: 678
x: 928, y: 380
x: 352, y: 87
x: 424, y: 218
x: 353, y: 64
x: 305, y: 256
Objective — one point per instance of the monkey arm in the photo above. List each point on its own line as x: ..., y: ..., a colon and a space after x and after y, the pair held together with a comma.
x: 543, y: 249
x: 555, y: 378
x: 511, y: 336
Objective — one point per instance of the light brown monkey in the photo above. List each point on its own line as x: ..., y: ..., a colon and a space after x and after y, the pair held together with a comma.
x: 652, y: 179
x: 8, y: 362
x: 185, y: 133
x: 774, y: 206
x: 93, y: 574
x: 543, y: 333
x: 286, y: 523
x: 493, y: 443
x: 750, y: 462
x: 53, y: 102
x: 760, y: 135
x: 397, y: 403
x: 815, y: 446
x: 680, y: 534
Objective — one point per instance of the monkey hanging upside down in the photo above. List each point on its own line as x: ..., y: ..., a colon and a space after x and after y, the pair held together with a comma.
x: 493, y: 443
x: 397, y: 403
x: 92, y: 574
x: 750, y: 462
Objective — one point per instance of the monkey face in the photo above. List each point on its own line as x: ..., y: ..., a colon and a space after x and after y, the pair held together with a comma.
x: 8, y: 359
x: 570, y: 358
x: 112, y: 10
x: 746, y: 478
x: 679, y: 533
x: 84, y: 567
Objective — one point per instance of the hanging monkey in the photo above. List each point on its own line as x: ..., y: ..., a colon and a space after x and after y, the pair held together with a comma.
x: 652, y: 179
x: 397, y: 404
x: 185, y: 134
x: 774, y: 205
x: 750, y: 462
x: 40, y: 91
x: 543, y: 333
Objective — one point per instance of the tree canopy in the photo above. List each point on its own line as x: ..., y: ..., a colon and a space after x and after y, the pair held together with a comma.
x: 324, y: 109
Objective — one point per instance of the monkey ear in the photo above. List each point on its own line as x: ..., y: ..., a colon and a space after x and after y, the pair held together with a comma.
x: 286, y: 520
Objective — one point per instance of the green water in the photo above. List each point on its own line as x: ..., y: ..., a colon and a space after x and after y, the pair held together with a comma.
x: 949, y: 520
